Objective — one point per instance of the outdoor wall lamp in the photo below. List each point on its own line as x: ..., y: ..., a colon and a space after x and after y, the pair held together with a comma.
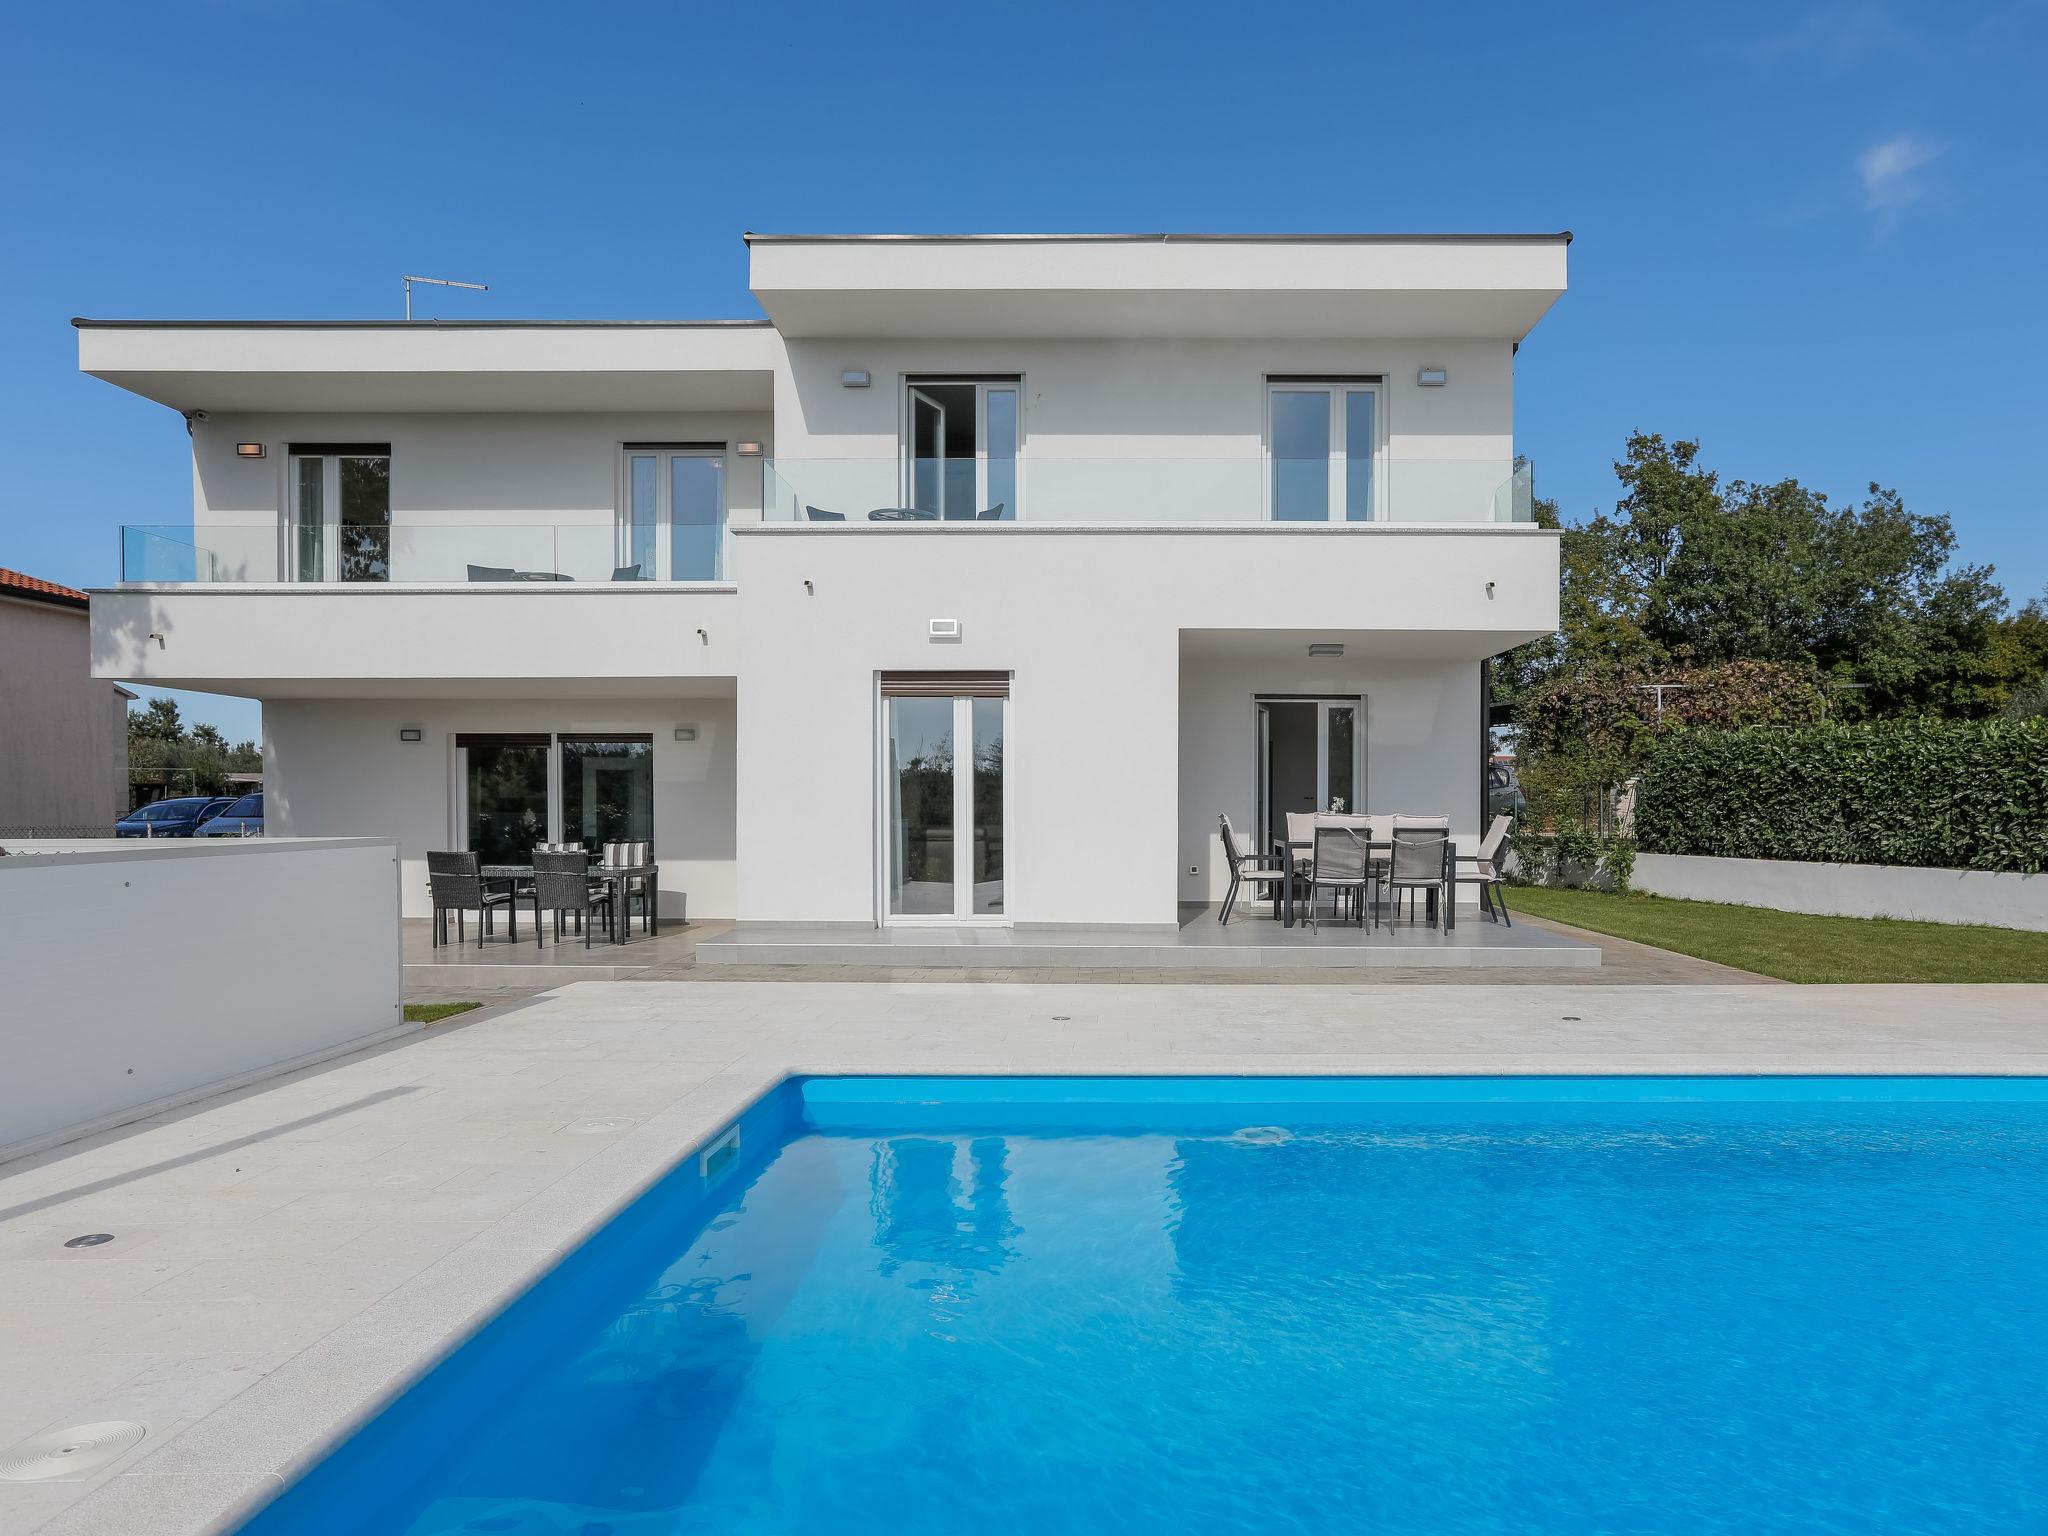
x: 856, y: 378
x: 411, y: 733
x: 747, y: 450
x: 248, y: 450
x: 686, y: 733
x: 1433, y: 378
x: 1326, y: 648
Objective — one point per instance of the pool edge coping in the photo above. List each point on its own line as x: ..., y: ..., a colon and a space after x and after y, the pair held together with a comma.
x: 229, y: 1464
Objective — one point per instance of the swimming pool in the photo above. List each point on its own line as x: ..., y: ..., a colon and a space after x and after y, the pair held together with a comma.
x: 1287, y: 1305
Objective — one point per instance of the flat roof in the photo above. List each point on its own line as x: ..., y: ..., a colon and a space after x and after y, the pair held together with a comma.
x: 89, y: 323
x: 753, y: 237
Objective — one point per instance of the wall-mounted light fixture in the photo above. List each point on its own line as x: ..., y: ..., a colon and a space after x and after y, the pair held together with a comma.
x: 856, y: 378
x: 248, y: 450
x: 686, y: 733
x: 747, y: 450
x: 1326, y: 648
x: 945, y: 629
x: 411, y: 733
x: 1433, y: 378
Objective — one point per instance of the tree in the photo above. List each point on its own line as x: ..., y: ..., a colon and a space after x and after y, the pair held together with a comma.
x: 193, y: 762
x: 157, y: 720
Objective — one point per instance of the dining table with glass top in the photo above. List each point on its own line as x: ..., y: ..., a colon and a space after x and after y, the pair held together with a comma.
x: 618, y: 878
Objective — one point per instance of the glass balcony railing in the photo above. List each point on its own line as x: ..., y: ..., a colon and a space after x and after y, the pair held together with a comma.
x: 425, y: 554
x: 1220, y: 488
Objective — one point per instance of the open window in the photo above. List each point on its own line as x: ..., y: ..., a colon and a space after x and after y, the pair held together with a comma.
x: 339, y: 522
x: 961, y: 444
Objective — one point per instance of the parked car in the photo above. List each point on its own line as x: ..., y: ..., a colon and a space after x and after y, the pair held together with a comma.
x: 1504, y: 795
x: 242, y: 819
x: 171, y: 818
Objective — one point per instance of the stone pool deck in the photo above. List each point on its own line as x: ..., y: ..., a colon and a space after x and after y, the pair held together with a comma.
x: 286, y: 1257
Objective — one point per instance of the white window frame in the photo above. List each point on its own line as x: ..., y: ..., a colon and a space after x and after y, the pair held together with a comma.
x: 1324, y: 703
x: 330, y: 515
x: 963, y: 824
x: 664, y: 503
x: 915, y: 383
x: 1341, y: 451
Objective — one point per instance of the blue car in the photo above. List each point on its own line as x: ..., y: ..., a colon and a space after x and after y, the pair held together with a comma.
x: 242, y: 819
x: 171, y: 818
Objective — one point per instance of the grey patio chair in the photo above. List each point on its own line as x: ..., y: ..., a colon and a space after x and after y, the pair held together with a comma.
x: 493, y: 573
x: 1421, y: 862
x: 1267, y: 869
x: 626, y: 572
x: 561, y: 885
x: 820, y: 515
x: 1340, y: 862
x: 455, y: 884
x: 1483, y: 869
x: 992, y: 514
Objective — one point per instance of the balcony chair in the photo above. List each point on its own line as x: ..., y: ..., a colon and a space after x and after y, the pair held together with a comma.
x: 455, y: 884
x: 1340, y: 861
x: 992, y: 514
x: 1485, y: 871
x: 1421, y: 862
x: 820, y: 515
x: 562, y: 885
x: 626, y: 572
x: 493, y: 573
x: 1269, y: 869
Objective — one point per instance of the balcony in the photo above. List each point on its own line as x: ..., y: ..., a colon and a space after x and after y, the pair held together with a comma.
x: 1212, y: 489
x: 432, y: 555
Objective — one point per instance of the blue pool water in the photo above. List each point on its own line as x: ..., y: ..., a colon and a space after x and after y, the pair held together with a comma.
x: 967, y: 1306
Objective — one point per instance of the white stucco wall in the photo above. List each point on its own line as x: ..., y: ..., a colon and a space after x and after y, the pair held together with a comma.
x: 1422, y: 746
x: 1191, y: 414
x: 1851, y: 890
x: 63, y: 734
x: 335, y: 767
x: 236, y: 960
x: 1090, y: 624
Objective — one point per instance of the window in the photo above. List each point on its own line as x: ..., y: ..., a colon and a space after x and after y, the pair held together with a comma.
x: 1323, y: 443
x: 961, y: 445
x: 672, y: 513
x: 339, y: 520
x: 523, y: 788
x: 607, y: 790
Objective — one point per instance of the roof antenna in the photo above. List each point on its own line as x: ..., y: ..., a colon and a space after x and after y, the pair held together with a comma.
x: 438, y: 282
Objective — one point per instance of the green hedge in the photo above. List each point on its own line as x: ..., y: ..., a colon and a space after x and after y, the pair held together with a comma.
x: 1946, y: 794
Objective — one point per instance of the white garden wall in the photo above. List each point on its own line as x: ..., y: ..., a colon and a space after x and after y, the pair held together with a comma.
x: 142, y: 974
x: 1851, y: 890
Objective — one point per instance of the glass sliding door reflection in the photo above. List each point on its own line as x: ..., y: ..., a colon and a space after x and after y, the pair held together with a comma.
x: 920, y: 810
x: 365, y: 540
x: 1301, y: 455
x: 696, y: 517
x: 988, y: 806
x: 505, y: 782
x: 309, y: 519
x: 1340, y: 754
x: 642, y: 516
x: 607, y: 790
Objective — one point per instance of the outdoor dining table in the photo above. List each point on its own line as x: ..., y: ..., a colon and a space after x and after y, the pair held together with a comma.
x: 615, y: 876
x: 1376, y: 853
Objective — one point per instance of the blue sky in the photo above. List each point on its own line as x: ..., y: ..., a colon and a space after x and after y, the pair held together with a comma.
x: 1810, y: 236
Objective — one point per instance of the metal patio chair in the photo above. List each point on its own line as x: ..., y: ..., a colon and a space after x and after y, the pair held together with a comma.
x: 1268, y: 869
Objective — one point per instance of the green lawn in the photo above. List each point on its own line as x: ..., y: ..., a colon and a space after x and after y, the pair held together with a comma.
x: 434, y: 1013
x: 1795, y: 947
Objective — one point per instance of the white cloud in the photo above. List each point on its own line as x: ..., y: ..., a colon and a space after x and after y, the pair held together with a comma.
x: 1892, y: 172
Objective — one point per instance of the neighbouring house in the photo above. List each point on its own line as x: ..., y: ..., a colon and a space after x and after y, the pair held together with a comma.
x: 63, y: 731
x: 968, y: 586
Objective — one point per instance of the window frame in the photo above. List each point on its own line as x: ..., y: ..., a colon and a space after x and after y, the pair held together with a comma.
x: 1337, y: 387
x: 911, y: 384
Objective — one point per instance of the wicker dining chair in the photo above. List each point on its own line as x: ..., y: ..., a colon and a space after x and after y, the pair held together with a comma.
x: 562, y: 885
x: 455, y: 884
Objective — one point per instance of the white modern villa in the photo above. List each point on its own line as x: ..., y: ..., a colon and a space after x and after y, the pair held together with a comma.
x: 968, y: 587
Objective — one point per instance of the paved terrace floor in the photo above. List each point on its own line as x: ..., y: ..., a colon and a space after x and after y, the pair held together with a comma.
x: 499, y: 970
x: 285, y: 1257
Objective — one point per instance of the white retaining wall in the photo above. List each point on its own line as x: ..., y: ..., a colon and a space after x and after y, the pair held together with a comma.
x: 143, y: 974
x: 1851, y: 890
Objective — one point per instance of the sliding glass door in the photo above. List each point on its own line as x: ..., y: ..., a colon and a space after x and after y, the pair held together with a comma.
x: 518, y: 789
x: 339, y: 522
x: 672, y: 514
x: 1323, y: 443
x: 1310, y: 758
x: 944, y: 783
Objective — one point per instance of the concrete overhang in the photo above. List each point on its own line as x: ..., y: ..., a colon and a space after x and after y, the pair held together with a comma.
x: 428, y: 365
x: 1219, y: 286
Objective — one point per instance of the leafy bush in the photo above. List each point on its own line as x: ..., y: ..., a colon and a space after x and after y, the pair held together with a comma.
x: 1573, y: 857
x: 1942, y: 794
